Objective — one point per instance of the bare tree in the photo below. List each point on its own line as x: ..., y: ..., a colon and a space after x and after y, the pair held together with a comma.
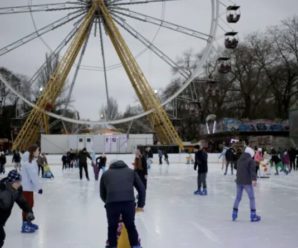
x: 111, y: 111
x: 283, y: 74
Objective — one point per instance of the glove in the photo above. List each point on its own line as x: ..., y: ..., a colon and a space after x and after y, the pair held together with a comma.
x: 30, y: 216
x: 40, y: 191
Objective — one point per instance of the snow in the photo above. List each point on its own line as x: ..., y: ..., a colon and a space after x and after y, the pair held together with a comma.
x: 71, y: 214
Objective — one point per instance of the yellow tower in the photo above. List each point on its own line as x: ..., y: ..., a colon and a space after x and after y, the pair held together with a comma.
x: 159, y: 119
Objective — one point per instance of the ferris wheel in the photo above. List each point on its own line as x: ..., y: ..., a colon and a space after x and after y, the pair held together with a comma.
x: 138, y: 44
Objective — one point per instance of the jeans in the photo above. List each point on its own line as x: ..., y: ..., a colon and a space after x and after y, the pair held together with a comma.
x: 250, y: 192
x: 127, y: 211
x: 202, y: 180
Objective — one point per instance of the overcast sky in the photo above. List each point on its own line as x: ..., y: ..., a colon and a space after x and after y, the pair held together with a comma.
x: 89, y: 91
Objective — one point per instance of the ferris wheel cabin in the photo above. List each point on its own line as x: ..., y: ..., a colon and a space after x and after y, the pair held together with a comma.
x: 233, y: 14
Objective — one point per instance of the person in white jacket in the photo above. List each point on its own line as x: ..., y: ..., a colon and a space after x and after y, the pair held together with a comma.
x: 30, y: 181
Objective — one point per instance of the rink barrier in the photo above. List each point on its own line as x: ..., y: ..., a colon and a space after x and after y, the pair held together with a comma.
x: 181, y: 158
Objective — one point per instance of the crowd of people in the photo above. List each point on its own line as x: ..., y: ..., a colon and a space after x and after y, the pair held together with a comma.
x: 117, y: 182
x: 281, y: 160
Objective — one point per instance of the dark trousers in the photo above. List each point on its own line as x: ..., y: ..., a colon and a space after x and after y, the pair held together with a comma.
x: 2, y: 168
x: 40, y: 168
x: 30, y: 200
x: 202, y: 180
x: 160, y: 160
x: 127, y: 211
x: 227, y: 166
x: 2, y: 235
x: 292, y: 165
x: 96, y: 170
x: 81, y: 166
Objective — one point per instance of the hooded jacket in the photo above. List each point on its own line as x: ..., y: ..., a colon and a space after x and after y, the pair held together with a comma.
x: 29, y: 173
x: 9, y: 195
x: 201, y: 161
x: 117, y: 185
x: 246, y: 169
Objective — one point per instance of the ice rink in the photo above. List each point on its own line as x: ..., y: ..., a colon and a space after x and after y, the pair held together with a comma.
x: 70, y: 213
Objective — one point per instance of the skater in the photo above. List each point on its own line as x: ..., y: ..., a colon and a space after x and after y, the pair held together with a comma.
x: 41, y: 162
x: 11, y: 192
x: 83, y: 155
x: 277, y: 163
x: 30, y: 181
x: 230, y: 159
x: 292, y: 156
x: 201, y: 162
x: 16, y: 159
x: 149, y: 157
x: 223, y: 155
x: 286, y: 161
x: 117, y: 192
x: 72, y: 158
x: 2, y: 162
x: 189, y: 159
x: 140, y: 167
x: 246, y: 180
x: 166, y: 157
x: 258, y: 158
x: 65, y: 162
x: 99, y: 164
x: 160, y: 153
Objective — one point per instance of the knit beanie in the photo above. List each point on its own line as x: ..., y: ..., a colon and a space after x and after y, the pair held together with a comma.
x: 13, y: 176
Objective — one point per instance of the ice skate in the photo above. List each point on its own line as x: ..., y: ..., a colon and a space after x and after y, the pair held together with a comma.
x: 234, y: 214
x: 26, y: 228
x: 254, y: 217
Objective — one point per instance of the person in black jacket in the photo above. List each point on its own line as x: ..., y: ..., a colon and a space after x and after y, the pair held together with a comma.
x: 2, y: 162
x: 16, y: 159
x: 201, y: 162
x: 83, y: 155
x: 100, y: 163
x: 230, y: 159
x: 292, y: 156
x: 117, y: 191
x: 246, y: 179
x: 10, y: 192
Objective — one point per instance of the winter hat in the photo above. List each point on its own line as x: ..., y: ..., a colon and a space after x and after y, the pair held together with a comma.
x: 250, y: 151
x: 13, y: 176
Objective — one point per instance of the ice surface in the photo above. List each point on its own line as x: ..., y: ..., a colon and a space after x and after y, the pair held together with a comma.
x: 71, y: 215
